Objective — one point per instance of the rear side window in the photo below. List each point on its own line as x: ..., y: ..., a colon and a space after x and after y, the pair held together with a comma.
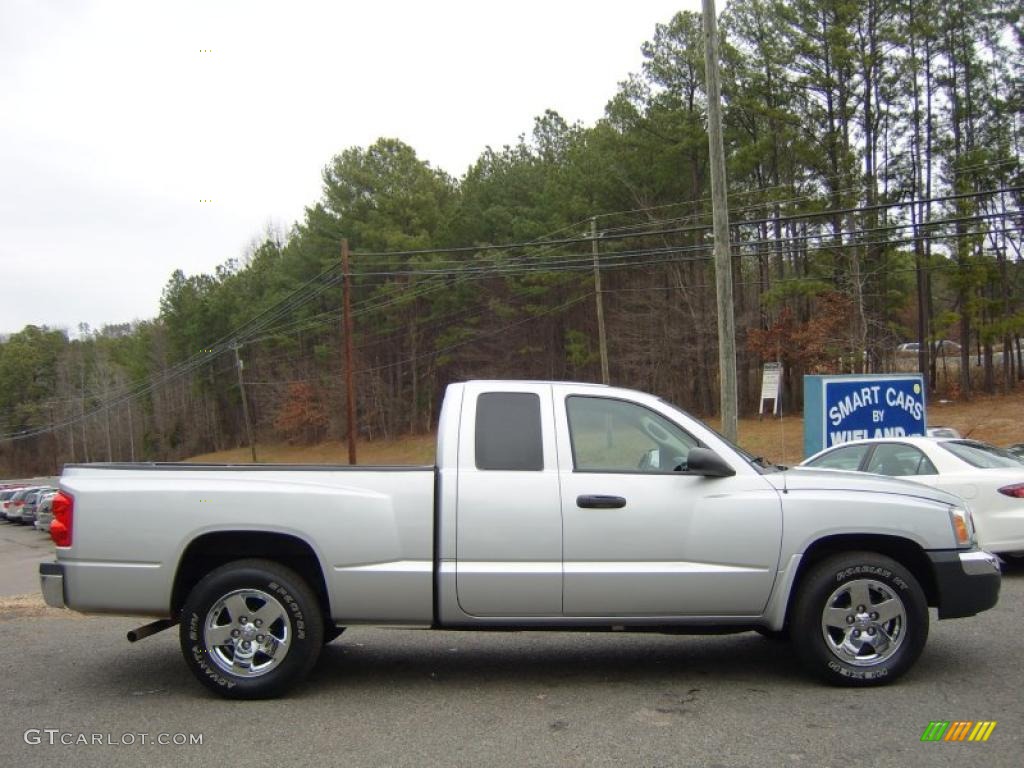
x: 508, y: 432
x: 841, y: 458
x: 899, y: 460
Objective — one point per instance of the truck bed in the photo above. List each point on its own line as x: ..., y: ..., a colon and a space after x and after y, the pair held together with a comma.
x: 370, y: 528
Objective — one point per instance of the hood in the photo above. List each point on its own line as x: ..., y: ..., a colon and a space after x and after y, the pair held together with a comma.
x: 812, y: 479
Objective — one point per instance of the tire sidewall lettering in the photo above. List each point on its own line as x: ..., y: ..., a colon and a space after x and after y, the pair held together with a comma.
x: 857, y: 674
x: 847, y: 574
x: 299, y: 621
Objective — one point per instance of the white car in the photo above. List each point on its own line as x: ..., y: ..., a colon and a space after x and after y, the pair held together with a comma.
x: 989, y: 479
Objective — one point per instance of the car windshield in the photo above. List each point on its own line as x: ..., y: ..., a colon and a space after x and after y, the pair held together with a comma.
x: 981, y: 455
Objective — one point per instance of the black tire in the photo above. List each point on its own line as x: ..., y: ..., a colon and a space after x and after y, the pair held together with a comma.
x: 240, y: 656
x: 859, y: 619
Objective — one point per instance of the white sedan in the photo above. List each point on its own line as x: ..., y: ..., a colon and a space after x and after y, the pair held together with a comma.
x: 989, y: 479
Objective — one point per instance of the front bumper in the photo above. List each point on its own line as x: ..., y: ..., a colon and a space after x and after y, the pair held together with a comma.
x: 51, y: 581
x: 967, y: 582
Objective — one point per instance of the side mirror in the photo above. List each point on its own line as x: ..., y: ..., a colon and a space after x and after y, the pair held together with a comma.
x: 702, y: 461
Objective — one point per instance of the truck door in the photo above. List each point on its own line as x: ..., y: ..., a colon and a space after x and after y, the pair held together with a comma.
x: 508, y: 519
x: 641, y: 539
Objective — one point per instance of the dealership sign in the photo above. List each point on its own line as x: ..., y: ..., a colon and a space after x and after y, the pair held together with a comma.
x: 838, y: 409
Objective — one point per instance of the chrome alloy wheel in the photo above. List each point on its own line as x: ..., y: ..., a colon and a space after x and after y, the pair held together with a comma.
x: 864, y: 622
x: 247, y: 633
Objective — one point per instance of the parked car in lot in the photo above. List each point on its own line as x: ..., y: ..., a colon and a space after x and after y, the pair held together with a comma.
x: 15, y: 505
x: 5, y: 499
x: 1017, y: 450
x: 28, y: 511
x: 940, y: 348
x: 937, y: 431
x: 44, y: 512
x: 989, y: 479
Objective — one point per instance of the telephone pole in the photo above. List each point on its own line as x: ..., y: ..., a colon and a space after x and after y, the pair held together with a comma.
x: 350, y: 400
x: 245, y: 404
x: 720, y: 219
x: 601, y: 338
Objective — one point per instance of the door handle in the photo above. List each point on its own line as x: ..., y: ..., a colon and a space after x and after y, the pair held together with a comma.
x: 600, y: 502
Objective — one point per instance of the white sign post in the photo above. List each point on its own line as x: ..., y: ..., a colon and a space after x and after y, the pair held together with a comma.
x: 771, y: 386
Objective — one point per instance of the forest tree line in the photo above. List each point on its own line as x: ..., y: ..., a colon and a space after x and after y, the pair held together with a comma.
x: 874, y: 152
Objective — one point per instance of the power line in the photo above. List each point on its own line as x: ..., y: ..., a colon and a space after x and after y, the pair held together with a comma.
x: 311, y: 289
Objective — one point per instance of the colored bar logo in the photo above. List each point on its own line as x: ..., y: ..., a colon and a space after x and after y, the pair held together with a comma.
x: 958, y: 730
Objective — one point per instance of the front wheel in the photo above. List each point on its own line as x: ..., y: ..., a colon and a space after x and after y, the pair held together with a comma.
x: 251, y: 629
x: 859, y: 619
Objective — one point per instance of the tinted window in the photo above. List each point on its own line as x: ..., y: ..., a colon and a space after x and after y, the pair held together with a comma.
x: 981, y: 455
x: 899, y: 460
x: 616, y: 436
x: 848, y: 457
x: 508, y: 431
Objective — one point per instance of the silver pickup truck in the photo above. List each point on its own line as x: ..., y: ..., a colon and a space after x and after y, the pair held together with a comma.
x: 552, y: 506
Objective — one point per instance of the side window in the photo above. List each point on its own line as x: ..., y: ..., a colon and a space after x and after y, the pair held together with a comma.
x: 508, y: 431
x: 849, y: 457
x: 616, y: 436
x: 899, y: 460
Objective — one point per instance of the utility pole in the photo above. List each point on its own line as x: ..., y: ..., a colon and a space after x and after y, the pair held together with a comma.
x: 245, y: 404
x: 720, y: 217
x: 350, y: 399
x: 131, y: 432
x: 601, y: 338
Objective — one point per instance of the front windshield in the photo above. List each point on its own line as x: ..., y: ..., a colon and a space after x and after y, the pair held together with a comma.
x: 982, y: 455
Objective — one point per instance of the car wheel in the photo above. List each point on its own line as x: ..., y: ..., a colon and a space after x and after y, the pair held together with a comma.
x: 859, y: 619
x: 251, y: 629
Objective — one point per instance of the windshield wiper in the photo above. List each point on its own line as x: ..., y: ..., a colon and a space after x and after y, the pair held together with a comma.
x: 763, y: 462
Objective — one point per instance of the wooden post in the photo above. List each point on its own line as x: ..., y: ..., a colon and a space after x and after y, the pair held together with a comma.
x: 350, y: 399
x: 720, y: 217
x: 601, y: 338
x: 245, y: 405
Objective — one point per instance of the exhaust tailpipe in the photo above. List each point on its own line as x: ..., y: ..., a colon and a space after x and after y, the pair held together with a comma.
x: 150, y: 629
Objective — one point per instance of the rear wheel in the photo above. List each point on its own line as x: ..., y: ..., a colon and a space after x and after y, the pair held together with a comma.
x: 251, y: 629
x: 859, y: 619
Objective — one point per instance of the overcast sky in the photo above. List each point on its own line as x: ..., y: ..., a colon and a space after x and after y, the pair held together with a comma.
x: 118, y: 118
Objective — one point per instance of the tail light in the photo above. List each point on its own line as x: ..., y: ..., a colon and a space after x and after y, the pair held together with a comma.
x: 1016, y: 491
x: 63, y: 518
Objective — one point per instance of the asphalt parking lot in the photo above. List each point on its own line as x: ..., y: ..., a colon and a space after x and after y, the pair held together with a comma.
x: 75, y: 692
x: 22, y: 548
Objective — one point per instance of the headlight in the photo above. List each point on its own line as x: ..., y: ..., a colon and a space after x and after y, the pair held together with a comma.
x: 963, y: 526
